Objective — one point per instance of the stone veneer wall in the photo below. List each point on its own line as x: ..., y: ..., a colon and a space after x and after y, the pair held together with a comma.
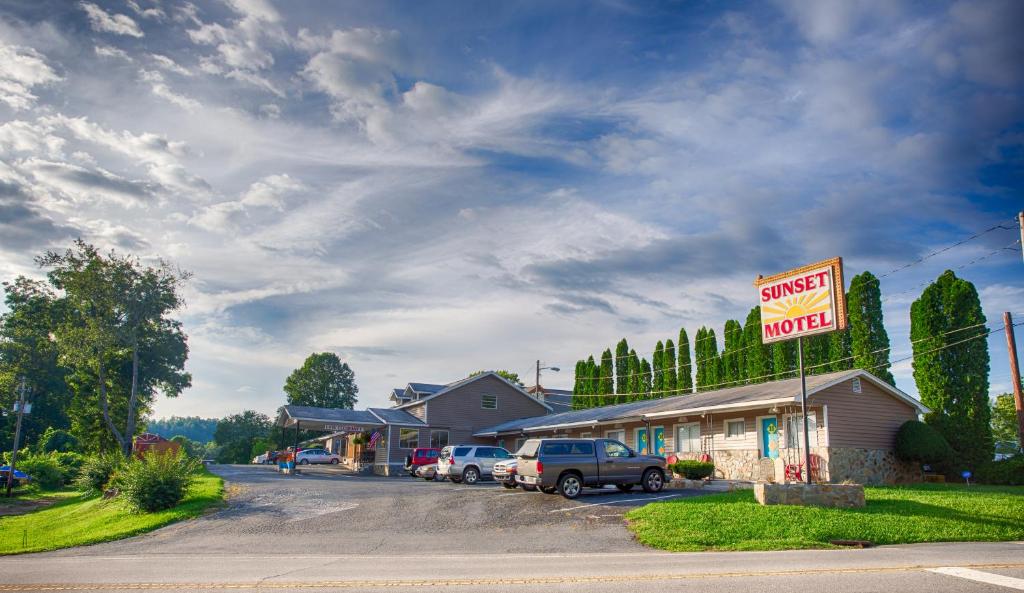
x: 871, y: 466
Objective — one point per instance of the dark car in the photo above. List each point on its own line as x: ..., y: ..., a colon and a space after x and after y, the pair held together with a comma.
x: 421, y: 456
x: 569, y: 465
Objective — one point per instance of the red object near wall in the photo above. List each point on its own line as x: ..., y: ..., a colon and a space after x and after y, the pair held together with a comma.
x: 147, y: 442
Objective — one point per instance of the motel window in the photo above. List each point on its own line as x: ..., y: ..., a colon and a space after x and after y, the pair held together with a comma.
x: 688, y: 439
x: 438, y: 438
x: 519, y: 443
x: 734, y: 429
x: 794, y: 430
x: 409, y: 438
x: 489, y: 402
x: 856, y: 385
x: 616, y: 435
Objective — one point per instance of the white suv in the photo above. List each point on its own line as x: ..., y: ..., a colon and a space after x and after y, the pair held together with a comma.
x: 469, y: 463
x: 308, y: 456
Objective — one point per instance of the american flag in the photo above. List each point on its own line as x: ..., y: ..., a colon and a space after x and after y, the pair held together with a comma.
x: 373, y: 440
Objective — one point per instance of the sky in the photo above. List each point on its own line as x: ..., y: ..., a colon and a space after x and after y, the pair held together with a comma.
x: 433, y: 188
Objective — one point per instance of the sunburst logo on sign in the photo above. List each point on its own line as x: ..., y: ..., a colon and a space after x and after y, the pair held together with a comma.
x: 805, y: 301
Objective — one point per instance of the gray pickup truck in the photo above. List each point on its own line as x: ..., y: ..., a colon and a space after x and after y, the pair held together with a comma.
x: 568, y: 465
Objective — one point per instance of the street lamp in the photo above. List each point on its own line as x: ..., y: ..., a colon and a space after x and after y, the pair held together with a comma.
x: 540, y: 395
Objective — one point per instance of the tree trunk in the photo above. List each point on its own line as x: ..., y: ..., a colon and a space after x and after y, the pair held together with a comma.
x: 125, y: 449
x: 133, y: 400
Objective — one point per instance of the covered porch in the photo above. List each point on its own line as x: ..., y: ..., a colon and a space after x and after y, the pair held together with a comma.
x: 342, y: 428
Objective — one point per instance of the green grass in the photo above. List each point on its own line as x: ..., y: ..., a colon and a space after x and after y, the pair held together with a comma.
x: 90, y: 519
x: 893, y: 515
x: 31, y: 493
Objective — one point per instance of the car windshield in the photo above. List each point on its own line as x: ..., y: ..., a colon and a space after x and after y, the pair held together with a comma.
x: 529, y: 449
x: 502, y: 453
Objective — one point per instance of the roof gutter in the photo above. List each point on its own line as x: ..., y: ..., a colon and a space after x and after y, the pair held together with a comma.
x: 736, y: 406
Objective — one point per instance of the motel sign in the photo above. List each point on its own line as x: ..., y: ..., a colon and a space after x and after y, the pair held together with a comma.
x: 802, y: 302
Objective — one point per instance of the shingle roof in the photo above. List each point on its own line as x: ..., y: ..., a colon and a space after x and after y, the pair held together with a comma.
x: 426, y: 387
x: 787, y: 389
x: 398, y: 392
x: 560, y: 401
x: 456, y: 384
x: 330, y: 414
x: 393, y: 416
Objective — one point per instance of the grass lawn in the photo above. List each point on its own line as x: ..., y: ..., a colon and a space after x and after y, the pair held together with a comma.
x: 893, y: 515
x: 90, y: 519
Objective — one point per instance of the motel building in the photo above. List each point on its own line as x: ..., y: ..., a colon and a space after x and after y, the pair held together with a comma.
x: 750, y: 432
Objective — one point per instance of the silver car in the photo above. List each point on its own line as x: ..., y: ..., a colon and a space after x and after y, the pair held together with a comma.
x: 505, y: 472
x: 469, y: 463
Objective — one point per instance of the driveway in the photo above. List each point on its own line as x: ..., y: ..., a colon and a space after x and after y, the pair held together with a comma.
x: 330, y: 511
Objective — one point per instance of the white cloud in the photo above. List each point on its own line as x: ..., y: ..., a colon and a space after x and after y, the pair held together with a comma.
x: 104, y: 22
x: 21, y: 69
x: 154, y: 12
x: 169, y: 65
x: 161, y: 89
x: 106, y: 51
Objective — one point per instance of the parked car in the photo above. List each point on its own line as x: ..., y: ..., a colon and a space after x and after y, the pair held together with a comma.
x: 469, y: 463
x: 421, y: 456
x: 505, y: 472
x: 308, y: 456
x: 427, y: 472
x: 260, y: 459
x: 569, y: 465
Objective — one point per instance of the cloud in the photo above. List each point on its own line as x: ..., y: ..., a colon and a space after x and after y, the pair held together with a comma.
x: 169, y: 65
x: 21, y: 69
x: 154, y: 12
x: 106, y: 51
x: 23, y: 224
x: 81, y: 184
x: 269, y: 193
x: 104, y: 22
x: 161, y: 89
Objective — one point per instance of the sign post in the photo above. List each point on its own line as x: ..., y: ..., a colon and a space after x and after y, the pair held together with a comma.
x: 807, y: 301
x: 22, y: 408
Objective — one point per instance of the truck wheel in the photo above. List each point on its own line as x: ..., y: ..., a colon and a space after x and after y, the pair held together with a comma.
x: 653, y: 481
x: 570, y: 485
x: 624, y: 487
x: 471, y: 475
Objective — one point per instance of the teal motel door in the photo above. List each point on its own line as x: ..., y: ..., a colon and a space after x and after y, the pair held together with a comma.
x: 644, y: 446
x: 770, y: 438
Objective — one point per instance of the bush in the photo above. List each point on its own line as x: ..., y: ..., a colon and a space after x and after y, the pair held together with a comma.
x: 54, y: 439
x: 918, y: 442
x: 693, y: 470
x: 156, y: 482
x: 70, y: 465
x: 97, y: 470
x: 44, y: 470
x: 1008, y: 472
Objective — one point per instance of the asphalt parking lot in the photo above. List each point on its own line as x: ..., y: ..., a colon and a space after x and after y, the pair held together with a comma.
x: 329, y: 511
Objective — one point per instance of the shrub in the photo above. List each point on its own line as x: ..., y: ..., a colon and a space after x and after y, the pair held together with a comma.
x: 55, y: 439
x: 693, y: 470
x: 70, y: 464
x: 156, y: 482
x: 1009, y: 472
x: 97, y: 470
x: 918, y: 442
x: 44, y: 470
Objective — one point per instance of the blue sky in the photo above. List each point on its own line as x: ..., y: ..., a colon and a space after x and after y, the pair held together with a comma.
x: 433, y: 188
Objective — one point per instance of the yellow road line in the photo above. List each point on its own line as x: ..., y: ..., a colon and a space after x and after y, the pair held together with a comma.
x: 409, y: 583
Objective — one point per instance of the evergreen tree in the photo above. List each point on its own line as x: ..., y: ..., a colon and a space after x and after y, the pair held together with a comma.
x: 839, y: 355
x: 577, y: 386
x: 622, y: 371
x: 606, y: 391
x: 758, y: 359
x: 784, y: 360
x: 668, y: 364
x: 594, y: 385
x: 816, y: 351
x: 869, y: 341
x: 733, y: 337
x: 646, y: 381
x: 635, y: 380
x: 685, y: 368
x: 705, y: 349
x: 659, y: 374
x: 953, y: 380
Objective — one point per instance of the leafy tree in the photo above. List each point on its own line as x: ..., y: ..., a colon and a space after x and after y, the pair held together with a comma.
x: 869, y: 341
x: 118, y: 331
x: 1004, y: 420
x: 646, y: 380
x: 758, y: 359
x: 595, y: 384
x: 951, y: 366
x: 622, y: 371
x: 731, y: 353
x: 816, y: 354
x: 705, y: 349
x: 57, y: 440
x: 784, y: 360
x: 323, y: 381
x: 237, y: 433
x: 635, y: 377
x: 27, y: 351
x: 607, y: 385
x: 839, y: 353
x: 190, y: 447
x: 578, y: 385
x: 685, y: 367
x: 668, y: 363
x: 193, y: 428
x: 659, y: 370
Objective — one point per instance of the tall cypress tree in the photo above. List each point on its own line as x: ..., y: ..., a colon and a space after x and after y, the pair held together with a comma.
x: 684, y: 370
x: 668, y: 364
x: 621, y: 371
x: 705, y: 349
x: 758, y: 359
x: 589, y: 384
x: 839, y: 355
x: 816, y: 351
x: 634, y: 376
x: 953, y: 380
x: 646, y: 381
x: 869, y: 341
x: 733, y: 337
x: 658, y: 368
x: 577, y: 386
x: 606, y: 393
x: 784, y: 360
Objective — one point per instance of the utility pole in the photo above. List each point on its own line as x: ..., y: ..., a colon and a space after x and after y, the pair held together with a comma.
x: 1018, y: 398
x: 17, y: 438
x: 803, y: 409
x: 536, y: 384
x: 1020, y: 222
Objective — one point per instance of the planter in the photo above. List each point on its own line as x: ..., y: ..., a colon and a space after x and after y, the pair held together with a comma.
x: 843, y: 496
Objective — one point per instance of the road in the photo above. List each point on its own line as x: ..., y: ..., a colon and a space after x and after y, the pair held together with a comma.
x: 328, y: 531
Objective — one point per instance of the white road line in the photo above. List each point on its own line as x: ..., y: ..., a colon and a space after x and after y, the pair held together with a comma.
x: 981, y: 577
x: 604, y: 504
